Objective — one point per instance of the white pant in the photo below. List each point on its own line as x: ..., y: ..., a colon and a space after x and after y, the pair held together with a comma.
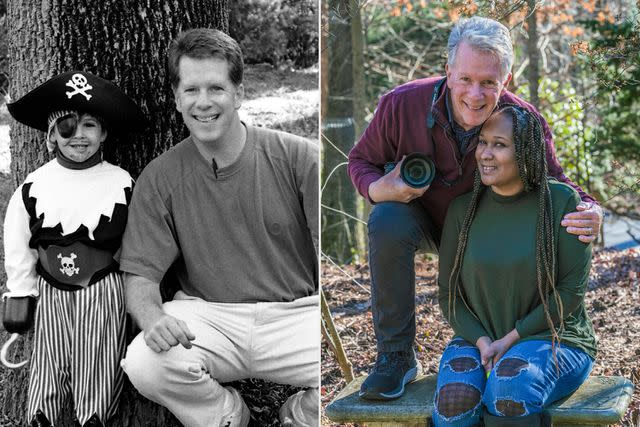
x: 278, y: 342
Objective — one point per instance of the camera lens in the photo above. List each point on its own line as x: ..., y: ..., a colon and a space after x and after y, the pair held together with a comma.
x: 417, y: 170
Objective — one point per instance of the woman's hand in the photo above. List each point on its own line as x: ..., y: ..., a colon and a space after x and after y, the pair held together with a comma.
x: 499, y: 347
x: 485, y: 346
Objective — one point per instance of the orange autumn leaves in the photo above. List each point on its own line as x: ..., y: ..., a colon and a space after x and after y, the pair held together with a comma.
x: 559, y: 13
x: 440, y: 9
x: 406, y: 6
x: 556, y: 12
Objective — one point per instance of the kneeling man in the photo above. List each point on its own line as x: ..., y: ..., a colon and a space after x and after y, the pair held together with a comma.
x: 234, y: 209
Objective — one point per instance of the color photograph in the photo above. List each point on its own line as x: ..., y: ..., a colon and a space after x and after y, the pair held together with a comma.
x: 479, y: 206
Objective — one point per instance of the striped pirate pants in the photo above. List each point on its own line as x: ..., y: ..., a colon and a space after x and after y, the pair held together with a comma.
x: 78, y: 344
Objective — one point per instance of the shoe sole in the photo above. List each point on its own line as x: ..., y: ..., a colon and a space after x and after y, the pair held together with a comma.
x: 409, y: 376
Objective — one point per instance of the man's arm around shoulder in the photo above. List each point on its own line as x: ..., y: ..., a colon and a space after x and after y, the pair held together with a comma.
x: 144, y: 303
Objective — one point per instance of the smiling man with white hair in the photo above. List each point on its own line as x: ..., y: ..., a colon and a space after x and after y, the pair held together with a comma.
x: 440, y: 117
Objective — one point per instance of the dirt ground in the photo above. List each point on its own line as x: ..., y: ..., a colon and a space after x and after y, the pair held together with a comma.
x: 613, y: 303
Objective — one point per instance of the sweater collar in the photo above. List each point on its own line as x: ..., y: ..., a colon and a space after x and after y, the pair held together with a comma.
x: 506, y: 199
x: 229, y: 170
x: 70, y: 164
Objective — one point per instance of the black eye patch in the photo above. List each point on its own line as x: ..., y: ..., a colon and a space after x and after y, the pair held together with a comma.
x: 67, y: 125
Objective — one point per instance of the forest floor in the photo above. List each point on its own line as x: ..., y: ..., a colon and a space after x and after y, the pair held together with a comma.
x: 278, y: 99
x: 612, y: 302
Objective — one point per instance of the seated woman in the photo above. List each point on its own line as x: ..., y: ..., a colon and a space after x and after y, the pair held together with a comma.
x: 511, y: 284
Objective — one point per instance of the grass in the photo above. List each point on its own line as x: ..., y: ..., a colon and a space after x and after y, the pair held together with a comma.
x: 282, y: 99
x: 262, y: 80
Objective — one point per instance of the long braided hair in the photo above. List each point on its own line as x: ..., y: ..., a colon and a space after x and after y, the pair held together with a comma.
x: 530, y: 148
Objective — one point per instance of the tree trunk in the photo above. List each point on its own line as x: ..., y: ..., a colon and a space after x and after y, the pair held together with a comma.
x: 125, y: 42
x: 359, y: 101
x: 338, y: 136
x: 324, y: 56
x: 533, y: 71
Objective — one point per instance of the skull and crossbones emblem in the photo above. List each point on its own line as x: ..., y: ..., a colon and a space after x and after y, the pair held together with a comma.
x: 68, y: 264
x: 79, y: 85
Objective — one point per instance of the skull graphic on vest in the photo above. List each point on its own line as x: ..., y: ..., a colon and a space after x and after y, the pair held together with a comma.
x: 68, y: 264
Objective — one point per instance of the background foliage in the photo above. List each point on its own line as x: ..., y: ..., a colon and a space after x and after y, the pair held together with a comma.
x: 276, y: 32
x: 614, y: 56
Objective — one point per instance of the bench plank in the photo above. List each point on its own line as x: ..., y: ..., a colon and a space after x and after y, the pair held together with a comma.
x: 599, y: 401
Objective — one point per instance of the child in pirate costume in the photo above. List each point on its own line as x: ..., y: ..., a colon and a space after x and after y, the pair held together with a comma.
x: 62, y: 228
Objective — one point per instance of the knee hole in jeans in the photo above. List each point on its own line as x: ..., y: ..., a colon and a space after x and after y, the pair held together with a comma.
x: 456, y: 399
x: 463, y: 364
x: 510, y: 408
x: 511, y: 367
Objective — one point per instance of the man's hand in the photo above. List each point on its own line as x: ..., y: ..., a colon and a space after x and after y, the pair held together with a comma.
x: 161, y: 331
x: 168, y: 332
x: 391, y: 188
x: 585, y: 222
x: 500, y: 347
x: 484, y: 344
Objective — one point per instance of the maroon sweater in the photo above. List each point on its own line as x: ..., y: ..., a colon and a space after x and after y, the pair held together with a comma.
x: 400, y: 126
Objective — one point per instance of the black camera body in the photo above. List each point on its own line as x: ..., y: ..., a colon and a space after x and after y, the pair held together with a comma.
x: 417, y: 170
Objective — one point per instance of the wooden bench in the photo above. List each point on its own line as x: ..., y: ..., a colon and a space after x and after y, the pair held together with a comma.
x: 599, y: 401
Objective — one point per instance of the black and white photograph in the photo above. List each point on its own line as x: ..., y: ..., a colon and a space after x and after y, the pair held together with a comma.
x: 159, y: 190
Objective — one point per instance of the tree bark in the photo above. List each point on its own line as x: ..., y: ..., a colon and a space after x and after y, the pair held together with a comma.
x: 359, y: 102
x: 324, y: 56
x: 338, y: 136
x: 122, y: 41
x: 533, y: 71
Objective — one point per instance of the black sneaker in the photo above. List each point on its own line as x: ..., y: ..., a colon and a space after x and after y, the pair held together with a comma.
x: 389, y: 375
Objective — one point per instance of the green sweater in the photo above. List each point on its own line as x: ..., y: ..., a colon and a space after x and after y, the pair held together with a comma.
x: 498, y: 275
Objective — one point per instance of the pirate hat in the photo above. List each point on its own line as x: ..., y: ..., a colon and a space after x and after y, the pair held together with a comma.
x: 78, y: 91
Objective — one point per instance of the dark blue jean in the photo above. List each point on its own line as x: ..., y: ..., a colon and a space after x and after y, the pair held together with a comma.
x: 396, y: 231
x: 523, y: 382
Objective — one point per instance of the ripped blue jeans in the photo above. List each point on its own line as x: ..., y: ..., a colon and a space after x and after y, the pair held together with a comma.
x: 523, y: 382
